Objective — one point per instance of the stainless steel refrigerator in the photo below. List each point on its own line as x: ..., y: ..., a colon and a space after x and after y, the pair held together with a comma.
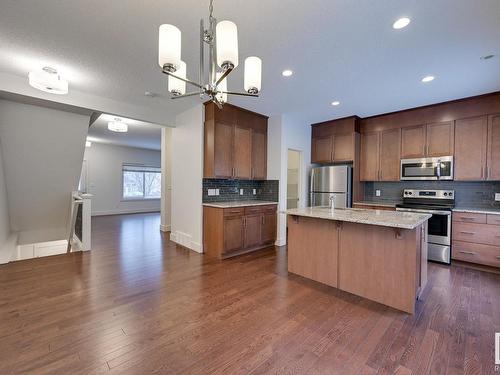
x: 332, y: 181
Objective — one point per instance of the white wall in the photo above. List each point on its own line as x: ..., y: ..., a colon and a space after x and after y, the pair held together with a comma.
x: 166, y: 179
x: 42, y: 155
x: 187, y: 176
x: 104, y: 178
x: 288, y: 132
x: 7, y: 239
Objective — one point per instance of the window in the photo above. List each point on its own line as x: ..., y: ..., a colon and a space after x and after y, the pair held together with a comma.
x: 141, y: 182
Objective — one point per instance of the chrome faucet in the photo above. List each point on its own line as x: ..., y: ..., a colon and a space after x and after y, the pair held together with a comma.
x: 332, y: 201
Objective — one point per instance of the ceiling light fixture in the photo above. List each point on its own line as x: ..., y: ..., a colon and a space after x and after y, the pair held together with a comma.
x: 427, y: 79
x: 222, y: 40
x: 487, y: 57
x: 88, y: 144
x: 117, y: 126
x: 335, y: 103
x: 401, y: 23
x: 48, y: 80
x: 287, y: 73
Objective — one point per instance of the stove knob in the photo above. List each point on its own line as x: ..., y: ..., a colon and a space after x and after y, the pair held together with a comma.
x: 445, y: 194
x: 410, y: 193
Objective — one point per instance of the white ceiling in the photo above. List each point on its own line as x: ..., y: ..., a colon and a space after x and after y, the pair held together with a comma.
x: 140, y: 134
x: 339, y: 50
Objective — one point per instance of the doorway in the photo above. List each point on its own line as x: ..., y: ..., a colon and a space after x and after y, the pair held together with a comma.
x: 293, y: 189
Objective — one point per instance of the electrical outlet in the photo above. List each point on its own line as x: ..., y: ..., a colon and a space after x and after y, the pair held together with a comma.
x: 241, y: 191
x: 497, y: 197
x: 217, y: 192
x: 377, y: 193
x: 211, y: 192
x: 254, y: 191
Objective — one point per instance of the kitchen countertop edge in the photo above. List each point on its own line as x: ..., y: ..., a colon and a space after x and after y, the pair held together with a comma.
x: 237, y: 204
x: 476, y: 210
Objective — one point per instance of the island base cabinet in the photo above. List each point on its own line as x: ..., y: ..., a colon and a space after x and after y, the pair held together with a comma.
x: 308, y: 241
x: 380, y: 264
x: 383, y: 264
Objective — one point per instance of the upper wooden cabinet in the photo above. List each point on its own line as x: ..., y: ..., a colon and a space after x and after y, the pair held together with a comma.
x: 334, y: 141
x: 380, y: 155
x: 235, y: 143
x: 471, y: 138
x: 493, y: 157
x: 431, y: 140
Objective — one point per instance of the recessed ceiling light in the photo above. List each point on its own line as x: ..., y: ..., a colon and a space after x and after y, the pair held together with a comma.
x: 487, y: 57
x: 286, y: 73
x: 88, y: 144
x: 335, y: 103
x: 401, y: 23
x: 48, y: 80
x: 428, y: 79
x: 118, y: 126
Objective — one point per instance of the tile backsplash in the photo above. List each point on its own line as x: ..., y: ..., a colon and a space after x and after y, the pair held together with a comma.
x: 475, y: 194
x: 229, y: 190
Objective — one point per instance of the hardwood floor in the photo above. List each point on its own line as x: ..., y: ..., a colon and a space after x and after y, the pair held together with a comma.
x: 137, y: 304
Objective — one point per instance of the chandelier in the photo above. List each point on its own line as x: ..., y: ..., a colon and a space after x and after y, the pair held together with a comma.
x: 222, y: 41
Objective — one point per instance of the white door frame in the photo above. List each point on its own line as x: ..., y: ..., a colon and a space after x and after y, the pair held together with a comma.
x: 300, y: 177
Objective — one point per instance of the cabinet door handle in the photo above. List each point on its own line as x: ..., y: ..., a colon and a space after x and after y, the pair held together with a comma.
x: 471, y: 233
x: 489, y: 172
x: 498, y: 257
x: 262, y: 219
x: 467, y: 252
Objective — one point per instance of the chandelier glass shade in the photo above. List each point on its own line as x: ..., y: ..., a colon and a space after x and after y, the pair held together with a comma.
x: 222, y: 41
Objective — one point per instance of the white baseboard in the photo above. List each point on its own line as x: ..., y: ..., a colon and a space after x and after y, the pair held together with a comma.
x: 40, y: 249
x: 185, y: 240
x: 165, y: 228
x: 8, y: 248
x: 123, y: 212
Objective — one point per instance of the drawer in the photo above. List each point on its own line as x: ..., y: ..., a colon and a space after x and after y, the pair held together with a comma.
x: 476, y: 233
x: 239, y: 211
x: 467, y: 217
x: 260, y: 209
x: 476, y: 253
x: 271, y: 209
x: 493, y: 219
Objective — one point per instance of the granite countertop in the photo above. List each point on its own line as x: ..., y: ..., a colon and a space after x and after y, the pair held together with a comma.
x: 479, y: 210
x: 234, y: 204
x: 394, y: 219
x: 377, y: 203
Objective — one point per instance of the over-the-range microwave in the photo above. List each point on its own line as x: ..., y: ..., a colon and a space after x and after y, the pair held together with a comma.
x: 440, y: 168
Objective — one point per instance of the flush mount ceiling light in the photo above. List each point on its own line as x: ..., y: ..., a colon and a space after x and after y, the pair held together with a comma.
x: 48, y: 80
x: 117, y: 126
x: 427, y: 79
x: 401, y: 23
x: 335, y: 103
x: 287, y: 73
x: 222, y: 40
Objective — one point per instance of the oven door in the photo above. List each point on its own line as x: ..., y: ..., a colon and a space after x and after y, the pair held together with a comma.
x: 438, y: 226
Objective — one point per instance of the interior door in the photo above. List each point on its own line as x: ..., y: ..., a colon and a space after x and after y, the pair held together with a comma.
x: 494, y: 147
x: 259, y: 155
x: 242, y: 153
x: 223, y: 145
x: 322, y: 150
x: 233, y: 233
x: 252, y: 230
x: 369, y: 157
x: 390, y: 154
x: 470, y: 148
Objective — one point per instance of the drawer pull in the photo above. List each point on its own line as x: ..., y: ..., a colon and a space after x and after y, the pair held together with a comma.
x: 471, y: 233
x: 467, y: 218
x: 498, y: 257
x: 467, y: 252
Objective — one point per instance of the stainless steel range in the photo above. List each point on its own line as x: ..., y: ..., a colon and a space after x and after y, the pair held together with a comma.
x: 438, y: 203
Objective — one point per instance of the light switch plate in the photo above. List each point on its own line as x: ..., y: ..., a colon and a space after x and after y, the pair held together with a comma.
x: 254, y: 191
x: 241, y: 191
x: 211, y: 192
x: 377, y: 193
x: 217, y: 192
x: 497, y: 197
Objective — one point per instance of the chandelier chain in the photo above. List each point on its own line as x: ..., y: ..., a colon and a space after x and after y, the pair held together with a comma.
x: 211, y: 9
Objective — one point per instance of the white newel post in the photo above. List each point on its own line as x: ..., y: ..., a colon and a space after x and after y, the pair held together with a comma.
x: 87, y: 221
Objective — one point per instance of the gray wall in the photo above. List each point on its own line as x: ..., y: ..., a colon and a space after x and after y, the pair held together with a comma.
x: 104, y: 178
x: 42, y: 154
x: 475, y: 194
x: 4, y: 212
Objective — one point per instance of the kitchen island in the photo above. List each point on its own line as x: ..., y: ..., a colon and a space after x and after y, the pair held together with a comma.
x: 377, y: 254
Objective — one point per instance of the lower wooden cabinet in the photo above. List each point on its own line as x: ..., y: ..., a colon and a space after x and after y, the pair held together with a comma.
x: 476, y: 238
x: 232, y: 231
